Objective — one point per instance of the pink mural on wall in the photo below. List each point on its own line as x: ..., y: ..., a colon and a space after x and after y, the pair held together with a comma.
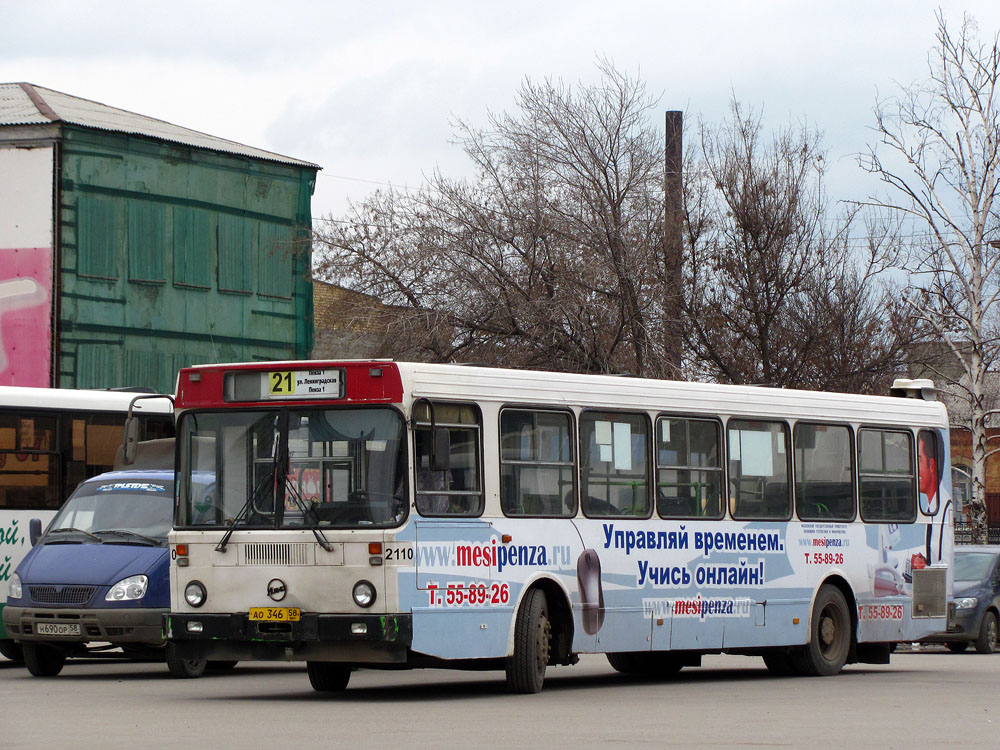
x: 25, y: 316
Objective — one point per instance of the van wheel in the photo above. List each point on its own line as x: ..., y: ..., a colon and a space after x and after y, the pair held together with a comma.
x: 43, y: 661
x: 532, y: 639
x: 11, y: 649
x: 183, y: 668
x: 986, y: 643
x: 328, y: 677
x: 829, y: 638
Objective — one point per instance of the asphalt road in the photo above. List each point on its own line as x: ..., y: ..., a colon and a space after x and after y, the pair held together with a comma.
x: 930, y: 698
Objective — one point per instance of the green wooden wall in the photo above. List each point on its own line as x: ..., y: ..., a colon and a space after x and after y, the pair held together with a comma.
x: 169, y: 255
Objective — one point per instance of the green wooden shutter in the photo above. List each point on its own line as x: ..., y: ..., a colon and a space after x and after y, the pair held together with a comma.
x: 147, y: 241
x: 274, y: 260
x: 98, y: 236
x: 234, y: 245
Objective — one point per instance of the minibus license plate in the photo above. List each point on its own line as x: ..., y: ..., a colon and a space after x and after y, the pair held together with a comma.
x: 57, y: 628
x: 276, y: 614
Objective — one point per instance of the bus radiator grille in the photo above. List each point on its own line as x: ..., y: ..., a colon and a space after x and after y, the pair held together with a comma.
x: 263, y: 553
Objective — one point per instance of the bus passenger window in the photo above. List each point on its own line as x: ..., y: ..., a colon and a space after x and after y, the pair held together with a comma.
x: 614, y: 465
x: 888, y: 484
x: 688, y: 468
x: 536, y: 463
x: 758, y: 470
x: 456, y: 491
x: 824, y: 472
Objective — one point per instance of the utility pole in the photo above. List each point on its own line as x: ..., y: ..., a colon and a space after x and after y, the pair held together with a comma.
x: 673, y: 238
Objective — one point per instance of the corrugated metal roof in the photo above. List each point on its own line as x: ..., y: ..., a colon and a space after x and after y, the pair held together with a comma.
x: 27, y: 104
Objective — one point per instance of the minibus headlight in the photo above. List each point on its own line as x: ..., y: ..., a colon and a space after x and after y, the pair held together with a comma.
x: 968, y: 602
x: 127, y: 589
x: 14, y: 588
x: 364, y: 594
x: 195, y: 594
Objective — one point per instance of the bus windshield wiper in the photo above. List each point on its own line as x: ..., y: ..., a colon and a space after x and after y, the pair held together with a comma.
x: 132, y: 534
x: 268, y: 476
x: 251, y: 500
x: 72, y: 530
x: 300, y: 504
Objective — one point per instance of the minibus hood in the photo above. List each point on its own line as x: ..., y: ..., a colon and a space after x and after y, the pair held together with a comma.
x: 91, y: 564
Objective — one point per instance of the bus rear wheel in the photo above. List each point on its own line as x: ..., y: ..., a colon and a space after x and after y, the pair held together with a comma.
x: 532, y: 639
x: 328, y: 677
x: 43, y: 661
x: 830, y: 636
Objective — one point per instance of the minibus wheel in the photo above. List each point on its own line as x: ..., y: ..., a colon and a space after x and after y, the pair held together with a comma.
x: 43, y: 661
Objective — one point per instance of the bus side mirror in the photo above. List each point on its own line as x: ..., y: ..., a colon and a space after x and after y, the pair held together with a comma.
x: 131, y: 440
x: 34, y: 530
x: 441, y: 449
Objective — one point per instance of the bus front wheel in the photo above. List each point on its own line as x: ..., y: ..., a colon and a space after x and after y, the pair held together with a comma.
x: 532, y: 639
x: 328, y: 677
x: 830, y: 636
x: 183, y: 668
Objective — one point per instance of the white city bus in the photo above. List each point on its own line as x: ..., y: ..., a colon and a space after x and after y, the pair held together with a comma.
x: 387, y: 515
x: 51, y: 439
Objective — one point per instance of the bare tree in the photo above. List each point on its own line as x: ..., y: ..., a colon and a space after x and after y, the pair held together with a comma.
x: 940, y: 157
x: 777, y: 293
x: 547, y: 258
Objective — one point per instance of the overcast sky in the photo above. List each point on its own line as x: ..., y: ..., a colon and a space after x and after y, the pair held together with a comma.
x: 368, y: 90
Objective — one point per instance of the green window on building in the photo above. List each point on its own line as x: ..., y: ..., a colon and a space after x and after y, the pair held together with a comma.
x: 194, y: 243
x: 147, y: 241
x: 275, y: 252
x: 98, y: 236
x: 234, y: 247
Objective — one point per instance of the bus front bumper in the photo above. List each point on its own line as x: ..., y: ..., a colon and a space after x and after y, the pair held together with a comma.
x: 360, y: 639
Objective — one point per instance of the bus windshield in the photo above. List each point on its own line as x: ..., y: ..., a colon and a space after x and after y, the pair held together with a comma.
x: 289, y: 468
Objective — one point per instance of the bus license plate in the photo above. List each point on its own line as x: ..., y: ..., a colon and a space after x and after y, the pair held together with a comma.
x: 57, y: 628
x: 275, y: 614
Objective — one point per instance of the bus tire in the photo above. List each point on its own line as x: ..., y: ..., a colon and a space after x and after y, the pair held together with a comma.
x: 183, y: 669
x: 43, y: 661
x: 328, y: 677
x: 532, y: 639
x: 830, y: 637
x: 986, y: 642
x: 11, y: 649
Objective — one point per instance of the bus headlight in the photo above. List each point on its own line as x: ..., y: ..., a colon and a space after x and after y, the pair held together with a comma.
x: 195, y: 594
x: 14, y: 588
x: 968, y: 602
x: 364, y: 594
x: 133, y: 587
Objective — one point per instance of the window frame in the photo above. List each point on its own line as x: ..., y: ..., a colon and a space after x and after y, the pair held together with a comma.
x: 733, y: 499
x: 647, y: 459
x: 721, y: 468
x: 573, y: 464
x: 477, y: 428
x: 855, y: 481
x: 911, y: 438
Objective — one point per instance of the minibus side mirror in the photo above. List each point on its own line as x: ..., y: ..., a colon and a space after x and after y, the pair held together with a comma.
x: 34, y: 530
